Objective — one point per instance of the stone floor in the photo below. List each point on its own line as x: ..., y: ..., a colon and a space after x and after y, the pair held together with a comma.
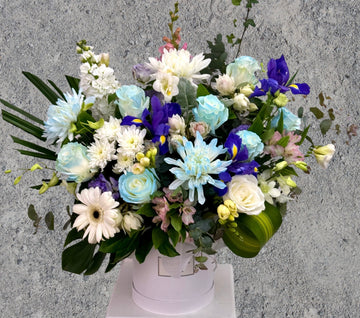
x: 310, y: 268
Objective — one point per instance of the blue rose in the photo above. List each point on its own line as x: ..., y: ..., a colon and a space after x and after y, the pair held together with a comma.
x: 291, y: 122
x: 243, y: 70
x: 131, y: 100
x: 137, y: 188
x: 73, y: 162
x: 252, y: 142
x: 211, y: 111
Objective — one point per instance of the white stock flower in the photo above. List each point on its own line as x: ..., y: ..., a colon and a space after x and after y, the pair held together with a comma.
x: 324, y: 154
x: 97, y: 214
x: 100, y: 153
x: 243, y: 190
x: 102, y: 108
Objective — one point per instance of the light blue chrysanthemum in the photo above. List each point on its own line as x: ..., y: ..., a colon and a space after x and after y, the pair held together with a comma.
x: 197, y: 166
x: 61, y: 116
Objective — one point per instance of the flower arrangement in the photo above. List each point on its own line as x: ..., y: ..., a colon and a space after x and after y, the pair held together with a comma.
x: 200, y: 150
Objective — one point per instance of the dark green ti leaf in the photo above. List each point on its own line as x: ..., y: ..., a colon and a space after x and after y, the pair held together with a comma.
x: 95, y: 263
x: 77, y: 258
x: 42, y: 87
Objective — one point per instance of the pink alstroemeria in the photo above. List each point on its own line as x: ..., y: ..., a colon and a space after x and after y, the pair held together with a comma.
x: 162, y: 208
x: 172, y: 197
x: 291, y: 152
x: 187, y: 211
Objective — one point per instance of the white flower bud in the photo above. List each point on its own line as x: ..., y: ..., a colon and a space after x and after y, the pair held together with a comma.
x: 225, y: 85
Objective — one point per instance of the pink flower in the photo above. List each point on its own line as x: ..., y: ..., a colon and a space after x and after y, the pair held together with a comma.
x: 291, y: 152
x: 187, y: 212
x: 162, y: 208
x: 168, y: 46
x: 171, y: 196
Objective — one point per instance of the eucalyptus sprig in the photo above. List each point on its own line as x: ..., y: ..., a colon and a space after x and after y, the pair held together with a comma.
x: 247, y: 22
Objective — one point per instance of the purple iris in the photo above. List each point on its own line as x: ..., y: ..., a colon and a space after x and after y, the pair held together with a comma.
x: 106, y: 185
x: 157, y: 123
x: 239, y: 157
x: 278, y: 77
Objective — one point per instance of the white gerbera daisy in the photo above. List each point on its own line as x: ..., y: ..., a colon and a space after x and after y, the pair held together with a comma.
x: 100, y: 153
x: 109, y: 130
x: 97, y: 214
x: 180, y: 63
x: 131, y: 140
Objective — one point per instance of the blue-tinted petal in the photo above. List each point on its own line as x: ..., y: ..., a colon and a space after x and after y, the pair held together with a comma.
x: 278, y: 70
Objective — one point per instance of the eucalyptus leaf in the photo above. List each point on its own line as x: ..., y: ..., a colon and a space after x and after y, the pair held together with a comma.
x: 317, y: 112
x: 325, y: 126
x: 32, y: 213
x: 49, y: 221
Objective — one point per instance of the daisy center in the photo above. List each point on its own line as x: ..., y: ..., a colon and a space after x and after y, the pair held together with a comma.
x: 97, y: 215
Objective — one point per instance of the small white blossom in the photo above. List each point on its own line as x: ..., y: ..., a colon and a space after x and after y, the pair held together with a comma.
x: 131, y: 140
x: 167, y: 85
x: 109, y: 130
x: 124, y: 163
x: 100, y: 153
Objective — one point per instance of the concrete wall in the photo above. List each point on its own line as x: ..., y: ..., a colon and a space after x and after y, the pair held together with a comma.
x: 309, y: 269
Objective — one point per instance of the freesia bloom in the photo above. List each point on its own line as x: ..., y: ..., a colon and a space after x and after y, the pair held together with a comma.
x: 97, y: 213
x: 242, y: 104
x: 61, y: 117
x: 243, y: 190
x: 324, y: 154
x: 268, y: 186
x: 197, y: 164
x: 131, y: 221
x: 73, y: 161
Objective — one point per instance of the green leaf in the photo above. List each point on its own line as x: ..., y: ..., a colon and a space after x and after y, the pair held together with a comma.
x: 58, y: 90
x: 77, y: 258
x: 236, y: 2
x: 22, y: 112
x: 49, y: 220
x: 230, y: 38
x: 288, y: 171
x: 121, y: 244
x: 144, y: 247
x: 33, y: 146
x: 32, y: 213
x: 249, y: 22
x: 283, y: 142
x: 73, y: 235
x: 218, y: 56
x: 331, y: 114
x: 303, y: 135
x: 300, y: 112
x: 176, y: 222
x: 186, y: 97
x: 317, y: 112
x: 253, y: 231
x: 36, y: 154
x: 257, y: 126
x: 158, y: 237
x: 73, y: 82
x: 202, y: 91
x: 23, y: 125
x: 95, y: 263
x: 280, y: 126
x: 146, y: 210
x: 173, y: 235
x: 167, y: 249
x: 325, y: 126
x: 201, y: 259
x: 111, y: 264
x: 42, y: 87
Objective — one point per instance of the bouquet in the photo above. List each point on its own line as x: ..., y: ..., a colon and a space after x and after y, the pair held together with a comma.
x: 200, y: 150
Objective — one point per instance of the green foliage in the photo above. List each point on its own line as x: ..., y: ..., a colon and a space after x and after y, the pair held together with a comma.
x: 73, y: 82
x: 146, y: 210
x: 78, y: 257
x: 144, y: 247
x: 325, y: 126
x: 218, y: 56
x: 236, y: 2
x: 186, y: 97
x: 34, y: 217
x: 317, y: 112
x: 49, y: 220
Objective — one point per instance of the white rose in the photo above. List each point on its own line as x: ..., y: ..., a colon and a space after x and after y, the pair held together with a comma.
x: 177, y: 125
x: 243, y: 190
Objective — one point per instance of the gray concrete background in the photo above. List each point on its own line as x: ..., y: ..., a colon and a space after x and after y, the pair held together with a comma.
x: 309, y: 269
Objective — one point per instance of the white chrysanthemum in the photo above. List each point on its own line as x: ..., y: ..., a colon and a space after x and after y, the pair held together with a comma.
x: 180, y: 63
x: 131, y: 140
x: 97, y: 214
x: 100, y: 153
x: 267, y: 186
x: 109, y: 130
x: 124, y: 163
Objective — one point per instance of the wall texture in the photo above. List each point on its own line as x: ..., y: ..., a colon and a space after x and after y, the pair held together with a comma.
x: 310, y: 268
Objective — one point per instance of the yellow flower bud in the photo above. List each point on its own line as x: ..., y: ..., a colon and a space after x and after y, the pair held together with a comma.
x: 145, y: 161
x: 223, y: 212
x: 35, y: 167
x: 281, y: 100
x: 301, y: 165
x: 231, y: 218
x: 54, y: 180
x: 139, y: 156
x: 137, y: 168
x: 281, y: 165
x: 43, y: 188
x: 97, y: 124
x: 231, y: 206
x: 17, y: 180
x: 290, y: 182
